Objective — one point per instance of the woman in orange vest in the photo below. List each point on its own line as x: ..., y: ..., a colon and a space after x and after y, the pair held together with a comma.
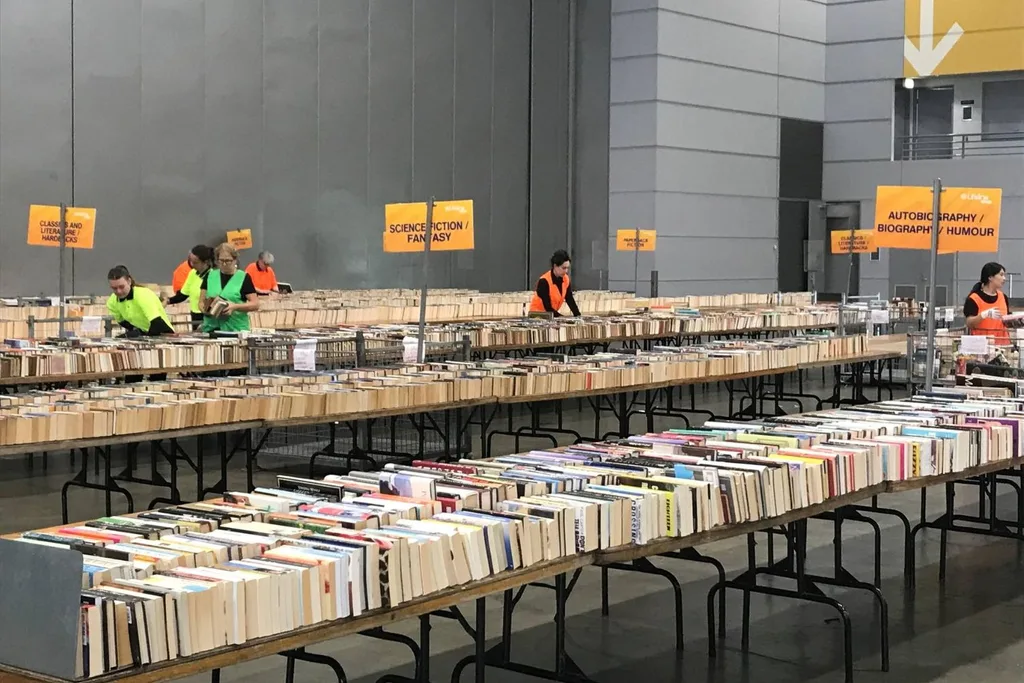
x: 986, y: 305
x: 553, y: 288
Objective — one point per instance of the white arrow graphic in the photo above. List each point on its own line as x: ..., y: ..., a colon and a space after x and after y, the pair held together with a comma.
x: 926, y: 57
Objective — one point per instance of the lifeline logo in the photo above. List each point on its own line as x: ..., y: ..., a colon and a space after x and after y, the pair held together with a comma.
x: 983, y: 198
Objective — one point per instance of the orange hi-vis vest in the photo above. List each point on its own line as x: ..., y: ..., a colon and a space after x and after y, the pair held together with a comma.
x: 992, y: 327
x: 556, y: 294
x: 180, y: 275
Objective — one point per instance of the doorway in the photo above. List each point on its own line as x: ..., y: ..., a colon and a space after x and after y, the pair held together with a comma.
x: 842, y: 273
x: 908, y: 273
x: 931, y: 123
x: 793, y: 233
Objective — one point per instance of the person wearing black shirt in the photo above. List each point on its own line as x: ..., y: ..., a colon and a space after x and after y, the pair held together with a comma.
x: 137, y: 309
x: 227, y: 294
x: 986, y: 305
x: 201, y: 260
x: 554, y: 288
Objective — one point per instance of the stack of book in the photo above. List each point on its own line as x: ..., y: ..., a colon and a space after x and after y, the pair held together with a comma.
x: 85, y: 356
x: 186, y: 579
x: 321, y: 308
x: 95, y: 412
x: 652, y: 325
x: 734, y: 300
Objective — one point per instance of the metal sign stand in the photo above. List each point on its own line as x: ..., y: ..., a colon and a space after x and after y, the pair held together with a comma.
x: 60, y: 284
x: 849, y: 272
x: 421, y: 343
x: 930, y: 348
x: 951, y: 300
x: 636, y: 263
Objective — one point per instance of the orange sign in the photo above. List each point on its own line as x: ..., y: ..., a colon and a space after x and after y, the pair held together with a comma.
x: 406, y: 226
x: 240, y: 239
x: 44, y: 226
x: 863, y: 241
x: 626, y: 240
x: 943, y: 37
x: 968, y: 218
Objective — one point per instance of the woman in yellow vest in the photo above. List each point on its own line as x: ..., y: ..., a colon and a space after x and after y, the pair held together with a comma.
x: 553, y: 288
x: 137, y: 309
x: 986, y: 305
x: 201, y: 258
x: 227, y: 294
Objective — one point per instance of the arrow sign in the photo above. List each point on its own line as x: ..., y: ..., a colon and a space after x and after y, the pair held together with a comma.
x: 927, y: 56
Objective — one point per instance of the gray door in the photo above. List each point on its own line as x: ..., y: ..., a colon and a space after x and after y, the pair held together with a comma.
x: 932, y: 123
x: 793, y: 220
x: 908, y: 275
x: 838, y: 276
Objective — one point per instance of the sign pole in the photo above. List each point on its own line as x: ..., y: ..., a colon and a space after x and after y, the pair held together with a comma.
x: 60, y: 284
x: 930, y: 349
x: 956, y: 281
x: 636, y: 263
x: 421, y: 345
x: 849, y: 273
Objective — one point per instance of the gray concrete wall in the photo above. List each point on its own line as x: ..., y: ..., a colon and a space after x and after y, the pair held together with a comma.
x: 864, y: 60
x: 180, y: 119
x: 697, y: 90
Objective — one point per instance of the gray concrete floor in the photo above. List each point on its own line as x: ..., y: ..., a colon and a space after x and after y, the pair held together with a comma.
x: 971, y: 628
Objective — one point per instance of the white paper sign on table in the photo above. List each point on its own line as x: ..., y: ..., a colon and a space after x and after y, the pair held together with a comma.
x: 92, y: 324
x: 974, y: 344
x: 410, y: 349
x: 880, y: 316
x: 304, y: 355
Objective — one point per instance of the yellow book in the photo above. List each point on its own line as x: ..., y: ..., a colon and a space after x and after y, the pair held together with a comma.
x: 770, y: 439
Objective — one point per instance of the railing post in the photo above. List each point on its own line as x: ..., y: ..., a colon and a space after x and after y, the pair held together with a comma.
x: 360, y: 349
x: 467, y: 348
x: 910, y: 363
x: 654, y: 284
x: 108, y: 326
x: 31, y: 327
x: 250, y: 349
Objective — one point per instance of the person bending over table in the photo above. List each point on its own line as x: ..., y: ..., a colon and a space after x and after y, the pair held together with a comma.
x: 227, y: 294
x: 137, y: 309
x: 263, y: 276
x: 201, y: 258
x: 553, y: 288
x: 986, y: 305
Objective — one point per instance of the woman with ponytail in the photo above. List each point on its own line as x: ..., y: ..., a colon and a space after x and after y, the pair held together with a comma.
x: 137, y: 309
x: 986, y: 305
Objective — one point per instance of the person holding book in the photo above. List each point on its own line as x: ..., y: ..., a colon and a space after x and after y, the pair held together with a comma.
x: 553, y: 288
x: 986, y: 305
x: 201, y: 258
x: 227, y: 294
x: 262, y: 274
x: 137, y: 309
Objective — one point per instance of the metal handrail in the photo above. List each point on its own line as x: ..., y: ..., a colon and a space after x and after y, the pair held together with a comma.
x: 958, y: 145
